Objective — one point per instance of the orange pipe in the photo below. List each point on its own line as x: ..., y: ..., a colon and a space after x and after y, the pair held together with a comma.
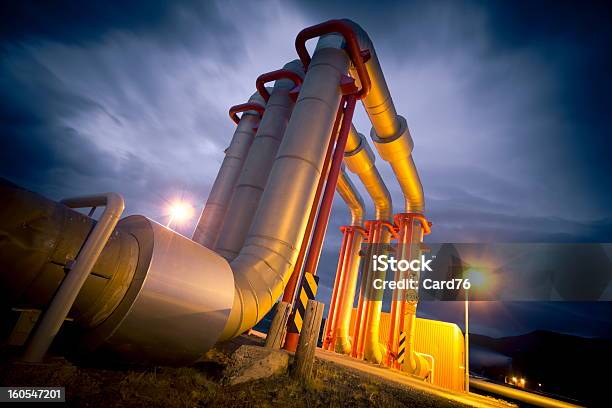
x: 329, y: 329
x: 342, y: 283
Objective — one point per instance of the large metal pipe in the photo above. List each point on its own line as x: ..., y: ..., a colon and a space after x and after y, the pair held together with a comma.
x: 391, y: 137
x: 346, y: 274
x: 152, y: 295
x: 264, y: 264
x: 389, y: 130
x: 257, y: 166
x: 213, y: 214
x: 360, y: 159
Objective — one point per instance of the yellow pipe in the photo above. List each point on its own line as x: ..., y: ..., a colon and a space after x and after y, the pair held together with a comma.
x: 351, y: 197
x: 346, y: 293
x: 360, y: 160
x: 392, y: 139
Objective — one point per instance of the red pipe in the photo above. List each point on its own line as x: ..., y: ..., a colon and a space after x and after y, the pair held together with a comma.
x: 375, y: 238
x: 318, y: 235
x: 352, y: 48
x: 327, y: 339
x: 360, y: 303
x: 243, y: 107
x: 263, y: 79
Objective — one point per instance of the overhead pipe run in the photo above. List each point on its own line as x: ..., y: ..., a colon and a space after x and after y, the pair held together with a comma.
x: 210, y: 222
x: 265, y: 263
x: 258, y: 164
x: 155, y: 295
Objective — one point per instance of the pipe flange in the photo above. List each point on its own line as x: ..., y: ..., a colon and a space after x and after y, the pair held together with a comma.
x: 360, y: 159
x: 395, y: 147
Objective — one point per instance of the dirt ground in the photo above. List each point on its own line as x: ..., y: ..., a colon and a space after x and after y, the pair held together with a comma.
x: 201, y: 385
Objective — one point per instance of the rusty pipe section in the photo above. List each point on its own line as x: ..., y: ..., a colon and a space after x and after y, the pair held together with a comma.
x: 213, y: 214
x: 389, y: 132
x: 266, y: 260
x: 257, y: 166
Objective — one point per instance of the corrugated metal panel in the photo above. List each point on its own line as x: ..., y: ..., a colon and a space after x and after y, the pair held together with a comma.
x: 441, y: 340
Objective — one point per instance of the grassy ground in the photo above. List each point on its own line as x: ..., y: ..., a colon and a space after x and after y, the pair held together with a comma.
x: 201, y: 385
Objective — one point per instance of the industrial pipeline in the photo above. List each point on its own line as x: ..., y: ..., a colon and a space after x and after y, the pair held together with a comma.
x: 136, y: 288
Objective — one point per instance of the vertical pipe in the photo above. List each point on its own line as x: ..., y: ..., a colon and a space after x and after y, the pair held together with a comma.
x: 333, y: 318
x: 398, y: 304
x: 266, y: 260
x: 343, y: 341
x: 213, y: 214
x: 289, y: 292
x: 318, y: 235
x: 257, y: 166
x: 329, y: 328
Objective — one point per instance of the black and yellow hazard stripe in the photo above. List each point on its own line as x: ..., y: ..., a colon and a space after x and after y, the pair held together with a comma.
x: 308, y: 290
x: 401, y: 348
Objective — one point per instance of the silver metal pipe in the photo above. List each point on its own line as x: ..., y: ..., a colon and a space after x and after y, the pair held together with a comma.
x: 361, y: 161
x: 266, y: 261
x: 351, y: 197
x: 177, y: 304
x: 346, y: 296
x: 257, y: 166
x: 213, y: 214
x: 62, y: 302
x: 389, y: 132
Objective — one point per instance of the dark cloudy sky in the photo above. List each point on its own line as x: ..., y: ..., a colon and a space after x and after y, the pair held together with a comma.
x: 508, y: 104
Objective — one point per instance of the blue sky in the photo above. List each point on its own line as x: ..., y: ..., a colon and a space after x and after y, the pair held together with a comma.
x: 508, y: 105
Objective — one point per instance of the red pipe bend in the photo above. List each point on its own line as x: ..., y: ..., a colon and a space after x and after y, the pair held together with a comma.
x: 263, y: 79
x: 243, y: 107
x: 352, y: 47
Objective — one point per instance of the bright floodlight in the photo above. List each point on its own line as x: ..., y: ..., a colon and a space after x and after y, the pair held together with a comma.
x: 180, y: 211
x: 476, y: 277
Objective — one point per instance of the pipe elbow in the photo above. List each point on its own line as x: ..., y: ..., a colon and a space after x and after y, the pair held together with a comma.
x: 397, y: 150
x: 361, y: 161
x: 351, y: 197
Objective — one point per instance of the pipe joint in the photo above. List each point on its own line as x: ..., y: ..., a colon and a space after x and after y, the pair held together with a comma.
x: 397, y: 147
x: 362, y: 158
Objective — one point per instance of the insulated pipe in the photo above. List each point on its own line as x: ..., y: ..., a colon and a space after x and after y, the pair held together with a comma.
x: 359, y: 159
x: 389, y: 130
x: 355, y: 204
x: 264, y: 264
x: 256, y: 169
x: 343, y: 341
x: 213, y: 214
x: 351, y: 197
x: 390, y: 135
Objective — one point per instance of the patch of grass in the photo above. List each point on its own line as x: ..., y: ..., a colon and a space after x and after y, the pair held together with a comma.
x: 201, y: 386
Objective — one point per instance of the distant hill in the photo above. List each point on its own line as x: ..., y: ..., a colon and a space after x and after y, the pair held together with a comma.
x: 571, y: 366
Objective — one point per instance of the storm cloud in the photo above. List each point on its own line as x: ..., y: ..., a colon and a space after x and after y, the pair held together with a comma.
x: 508, y: 104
